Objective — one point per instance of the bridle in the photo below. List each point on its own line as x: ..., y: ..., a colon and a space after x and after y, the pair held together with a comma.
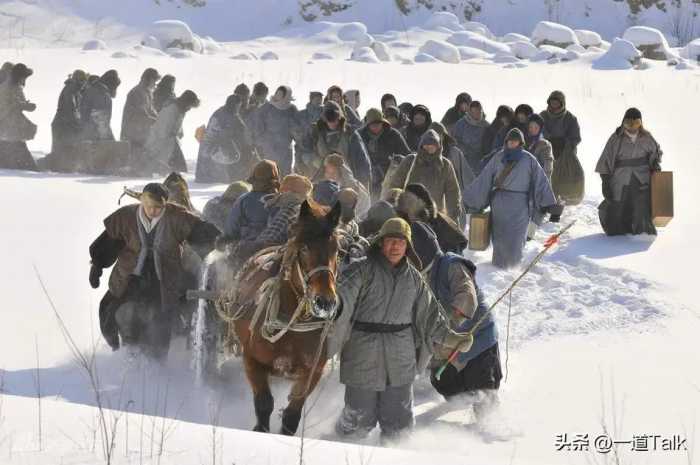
x: 293, y: 270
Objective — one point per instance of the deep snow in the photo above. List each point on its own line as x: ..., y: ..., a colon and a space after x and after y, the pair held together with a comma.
x: 620, y: 311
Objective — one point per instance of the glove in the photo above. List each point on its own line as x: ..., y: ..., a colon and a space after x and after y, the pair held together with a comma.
x: 607, y: 186
x: 95, y: 273
x: 656, y: 165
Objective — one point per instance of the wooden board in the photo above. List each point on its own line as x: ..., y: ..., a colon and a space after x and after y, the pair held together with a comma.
x: 479, y: 231
x: 661, y: 197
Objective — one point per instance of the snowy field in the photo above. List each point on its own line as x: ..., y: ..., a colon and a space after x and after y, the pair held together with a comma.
x: 603, y: 333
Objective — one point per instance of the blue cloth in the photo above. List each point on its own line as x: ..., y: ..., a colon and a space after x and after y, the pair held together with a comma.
x: 512, y: 155
x: 326, y: 193
x: 486, y: 335
x: 248, y: 217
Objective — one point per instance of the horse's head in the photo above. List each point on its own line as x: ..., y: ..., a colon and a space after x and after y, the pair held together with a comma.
x: 316, y: 241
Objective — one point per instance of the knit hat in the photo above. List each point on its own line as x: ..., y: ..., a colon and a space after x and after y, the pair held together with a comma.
x: 325, y: 193
x: 235, y: 190
x: 515, y: 134
x: 265, y: 177
x: 156, y: 193
x: 374, y: 115
x: 425, y: 242
x: 399, y: 228
x: 296, y: 183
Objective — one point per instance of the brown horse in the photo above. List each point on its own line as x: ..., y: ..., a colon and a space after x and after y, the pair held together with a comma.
x: 307, y: 275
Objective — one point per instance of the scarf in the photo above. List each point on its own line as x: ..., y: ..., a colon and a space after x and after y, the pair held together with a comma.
x: 148, y: 225
x: 475, y: 122
x: 512, y: 154
x: 533, y: 140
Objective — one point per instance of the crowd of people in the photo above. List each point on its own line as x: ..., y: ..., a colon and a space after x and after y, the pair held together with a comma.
x: 406, y: 184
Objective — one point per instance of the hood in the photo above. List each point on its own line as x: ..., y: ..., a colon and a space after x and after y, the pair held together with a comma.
x: 351, y: 98
x: 462, y: 98
x: 430, y: 137
x: 285, y: 102
x: 558, y: 95
x: 421, y: 109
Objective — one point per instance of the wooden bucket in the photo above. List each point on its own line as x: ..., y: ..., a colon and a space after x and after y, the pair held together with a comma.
x: 661, y: 198
x: 479, y: 231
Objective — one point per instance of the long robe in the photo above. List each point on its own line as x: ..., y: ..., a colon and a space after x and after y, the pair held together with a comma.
x: 523, y: 193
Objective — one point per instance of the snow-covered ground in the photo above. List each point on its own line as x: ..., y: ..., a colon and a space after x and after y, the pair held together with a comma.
x: 602, y: 328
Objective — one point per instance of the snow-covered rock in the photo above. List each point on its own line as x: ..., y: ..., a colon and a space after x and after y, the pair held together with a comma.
x: 523, y: 49
x: 505, y: 58
x: 269, y: 56
x: 571, y: 55
x: 515, y: 37
x: 443, y: 19
x: 691, y: 51
x: 650, y: 41
x: 381, y: 50
x: 425, y: 58
x: 246, y: 56
x: 121, y: 54
x: 576, y: 48
x: 210, y: 45
x: 151, y: 42
x: 352, y: 32
x: 588, y: 38
x: 180, y: 53
x: 479, y: 28
x: 399, y: 44
x: 472, y: 39
x: 322, y: 56
x: 549, y: 33
x: 443, y: 51
x: 547, y: 52
x: 95, y: 44
x: 171, y: 33
x: 470, y: 53
x: 364, y: 55
x: 622, y: 55
x: 148, y: 51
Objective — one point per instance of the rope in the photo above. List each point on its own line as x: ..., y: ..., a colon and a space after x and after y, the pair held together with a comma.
x: 510, y: 307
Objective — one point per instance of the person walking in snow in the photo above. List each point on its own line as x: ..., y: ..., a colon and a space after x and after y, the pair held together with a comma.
x: 469, y: 132
x: 15, y: 128
x: 516, y: 188
x: 217, y: 209
x: 96, y: 107
x: 164, y: 94
x: 629, y: 158
x: 335, y: 94
x: 226, y: 153
x: 139, y: 114
x: 538, y: 146
x: 275, y: 127
x: 492, y: 139
x: 459, y: 110
x: 144, y: 242
x: 420, y: 121
x: 391, y: 325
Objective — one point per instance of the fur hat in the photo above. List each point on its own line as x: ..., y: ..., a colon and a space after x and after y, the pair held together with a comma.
x: 296, y: 183
x: 265, y: 176
x: 423, y: 194
x: 235, y: 190
x: 425, y: 242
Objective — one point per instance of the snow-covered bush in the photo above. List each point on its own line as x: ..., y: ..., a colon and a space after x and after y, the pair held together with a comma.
x: 364, y: 55
x: 443, y: 19
x: 549, y: 33
x: 244, y: 56
x: 443, y: 51
x: 472, y: 39
x: 171, y: 33
x: 622, y: 55
x: 269, y: 56
x: 321, y: 56
x: 651, y: 42
x: 95, y: 45
x: 588, y: 38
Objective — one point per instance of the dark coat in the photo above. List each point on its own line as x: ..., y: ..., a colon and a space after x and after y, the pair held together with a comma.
x: 96, y: 113
x: 248, y: 217
x: 412, y: 133
x: 273, y: 133
x: 380, y: 149
x: 66, y: 123
x: 139, y: 115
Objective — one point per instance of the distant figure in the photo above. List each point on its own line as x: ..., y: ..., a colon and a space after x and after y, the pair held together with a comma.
x: 164, y: 93
x: 469, y: 132
x: 66, y: 125
x: 139, y: 114
x: 15, y: 128
x: 96, y: 107
x: 335, y: 94
x: 460, y: 108
x: 420, y: 121
x: 276, y: 126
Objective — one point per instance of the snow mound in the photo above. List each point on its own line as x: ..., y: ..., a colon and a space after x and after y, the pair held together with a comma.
x: 399, y: 44
x: 523, y: 50
x: 588, y: 38
x: 210, y: 45
x: 180, y: 53
x: 650, y: 41
x: 425, y: 58
x: 549, y: 52
x: 515, y: 37
x: 692, y: 50
x: 143, y: 50
x: 549, y: 33
x: 246, y: 56
x: 322, y: 56
x: 622, y: 55
x: 443, y: 19
x: 443, y: 51
x: 269, y: 56
x: 95, y: 44
x: 470, y: 53
x: 121, y: 54
x: 505, y: 58
x: 683, y: 65
x: 352, y: 32
x: 472, y: 39
x: 171, y: 33
x: 576, y: 48
x: 364, y: 55
x: 479, y: 28
x: 381, y: 50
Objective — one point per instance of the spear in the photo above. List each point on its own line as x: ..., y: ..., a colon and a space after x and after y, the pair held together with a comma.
x: 469, y: 336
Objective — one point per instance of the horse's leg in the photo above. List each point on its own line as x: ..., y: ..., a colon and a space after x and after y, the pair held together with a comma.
x: 262, y: 397
x: 302, y: 387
